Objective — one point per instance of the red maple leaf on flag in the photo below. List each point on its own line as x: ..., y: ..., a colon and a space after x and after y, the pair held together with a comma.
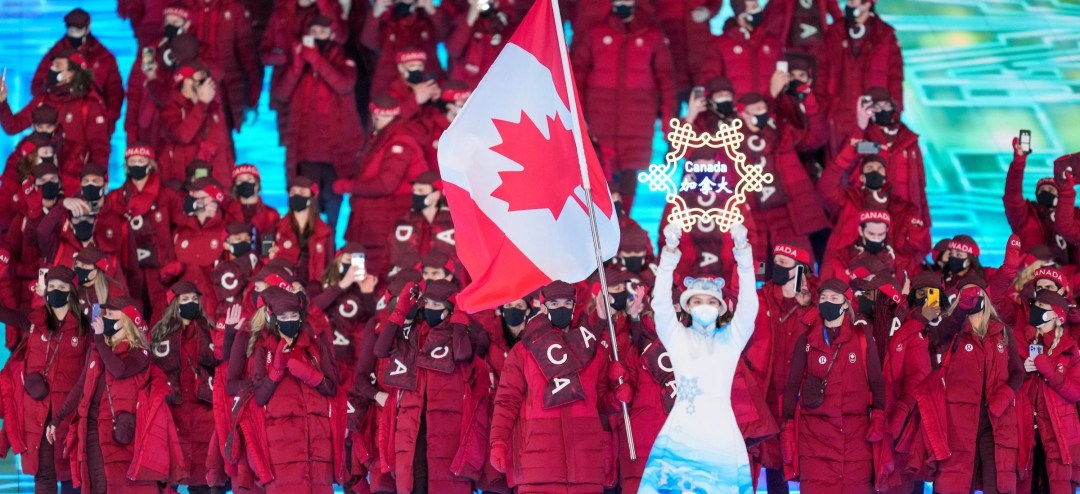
x: 538, y: 185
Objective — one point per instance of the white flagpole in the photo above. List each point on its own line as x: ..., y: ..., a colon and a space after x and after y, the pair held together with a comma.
x: 579, y: 143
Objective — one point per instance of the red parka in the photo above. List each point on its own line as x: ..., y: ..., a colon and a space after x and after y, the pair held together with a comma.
x: 687, y: 37
x: 262, y: 218
x: 855, y: 65
x: 473, y: 48
x: 748, y: 58
x: 1050, y: 395
x: 382, y: 190
x: 905, y: 365
x: 100, y: 62
x: 224, y: 28
x: 147, y: 17
x: 311, y: 259
x: 907, y: 173
x: 415, y: 234
x: 388, y: 34
x: 287, y: 25
x: 194, y: 130
x: 323, y: 125
x: 626, y: 80
x: 1033, y: 223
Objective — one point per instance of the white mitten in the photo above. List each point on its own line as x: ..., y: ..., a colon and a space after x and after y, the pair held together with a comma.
x: 672, y: 234
x: 738, y: 235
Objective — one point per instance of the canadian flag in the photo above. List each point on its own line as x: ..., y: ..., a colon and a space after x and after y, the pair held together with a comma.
x: 512, y: 174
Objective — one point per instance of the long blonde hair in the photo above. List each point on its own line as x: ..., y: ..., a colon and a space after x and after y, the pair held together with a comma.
x: 988, y: 311
x: 260, y: 321
x: 132, y: 334
x: 1026, y: 275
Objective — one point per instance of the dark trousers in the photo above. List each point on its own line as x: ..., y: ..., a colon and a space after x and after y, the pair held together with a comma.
x: 45, y: 479
x: 775, y: 482
x: 420, y: 463
x: 324, y: 175
x: 984, y: 453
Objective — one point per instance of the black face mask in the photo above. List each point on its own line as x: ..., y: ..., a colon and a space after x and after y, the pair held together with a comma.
x: 957, y: 265
x: 780, y: 274
x: 56, y: 298
x: 54, y: 78
x: 619, y: 300
x: 561, y: 317
x: 255, y: 297
x: 91, y: 192
x: 793, y: 88
x: 240, y: 249
x: 874, y: 180
x: 138, y: 172
x: 189, y: 205
x: 83, y: 231
x: 724, y: 108
x: 755, y: 19
x: 634, y: 264
x: 433, y: 317
x: 415, y: 77
x: 190, y: 310
x: 289, y: 328
x: 872, y: 246
x: 918, y: 302
x: 321, y: 43
x: 760, y: 121
x: 883, y: 118
x: 979, y: 306
x: 850, y: 14
x: 112, y: 326
x: 299, y: 203
x: 514, y: 317
x: 75, y: 42
x: 623, y: 11
x: 488, y: 12
x: 50, y: 190
x: 830, y: 311
x: 83, y: 274
x: 419, y: 202
x: 46, y: 135
x: 1037, y: 314
x: 171, y: 31
x: 245, y: 189
x: 866, y: 306
x: 402, y: 9
x: 618, y: 207
x: 1046, y: 198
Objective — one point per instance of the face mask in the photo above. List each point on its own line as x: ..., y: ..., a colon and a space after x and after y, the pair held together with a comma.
x: 705, y: 315
x: 138, y: 172
x: 75, y: 42
x: 402, y: 9
x: 619, y: 300
x: 957, y: 265
x: 83, y: 231
x: 780, y: 274
x: 1046, y: 198
x: 56, y: 298
x: 415, y: 77
x: 189, y: 310
x: 321, y: 43
x: 112, y: 326
x: 793, y: 88
x: 618, y: 207
x: 433, y: 316
x: 255, y: 297
x: 50, y: 190
x: 634, y: 264
x: 979, y: 306
x: 874, y: 180
x: 724, y: 107
x: 51, y: 160
x: 171, y: 31
x: 755, y: 19
x: 883, y: 118
x: 830, y: 311
x: 83, y: 274
x: 54, y: 77
x: 623, y: 11
x: 918, y: 302
x: 561, y: 317
x: 873, y: 247
x: 851, y: 13
x: 299, y: 203
x: 513, y: 317
x: 91, y: 192
x: 46, y: 135
x: 240, y: 249
x: 245, y: 189
x: 866, y: 306
x: 289, y: 328
x: 760, y: 121
x: 189, y: 205
x: 419, y: 202
x: 1037, y: 314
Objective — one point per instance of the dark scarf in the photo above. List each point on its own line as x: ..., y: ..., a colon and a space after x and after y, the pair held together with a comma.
x: 560, y: 356
x: 665, y: 378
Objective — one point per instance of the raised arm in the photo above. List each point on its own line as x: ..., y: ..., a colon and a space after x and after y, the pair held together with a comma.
x: 742, y: 326
x: 663, y: 309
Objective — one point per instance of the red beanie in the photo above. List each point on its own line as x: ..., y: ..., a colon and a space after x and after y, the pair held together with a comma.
x: 558, y: 290
x: 966, y: 244
x: 796, y: 249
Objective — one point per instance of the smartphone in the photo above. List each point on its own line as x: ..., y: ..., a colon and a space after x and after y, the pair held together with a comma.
x: 697, y: 93
x: 3, y: 75
x: 309, y: 41
x: 866, y: 100
x: 360, y: 259
x: 147, y: 58
x: 267, y: 243
x: 94, y: 208
x: 1025, y: 141
x: 483, y: 5
x: 867, y: 147
x: 782, y: 66
x: 41, y: 272
x: 933, y: 297
x: 800, y: 277
x: 95, y: 312
x: 1035, y: 349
